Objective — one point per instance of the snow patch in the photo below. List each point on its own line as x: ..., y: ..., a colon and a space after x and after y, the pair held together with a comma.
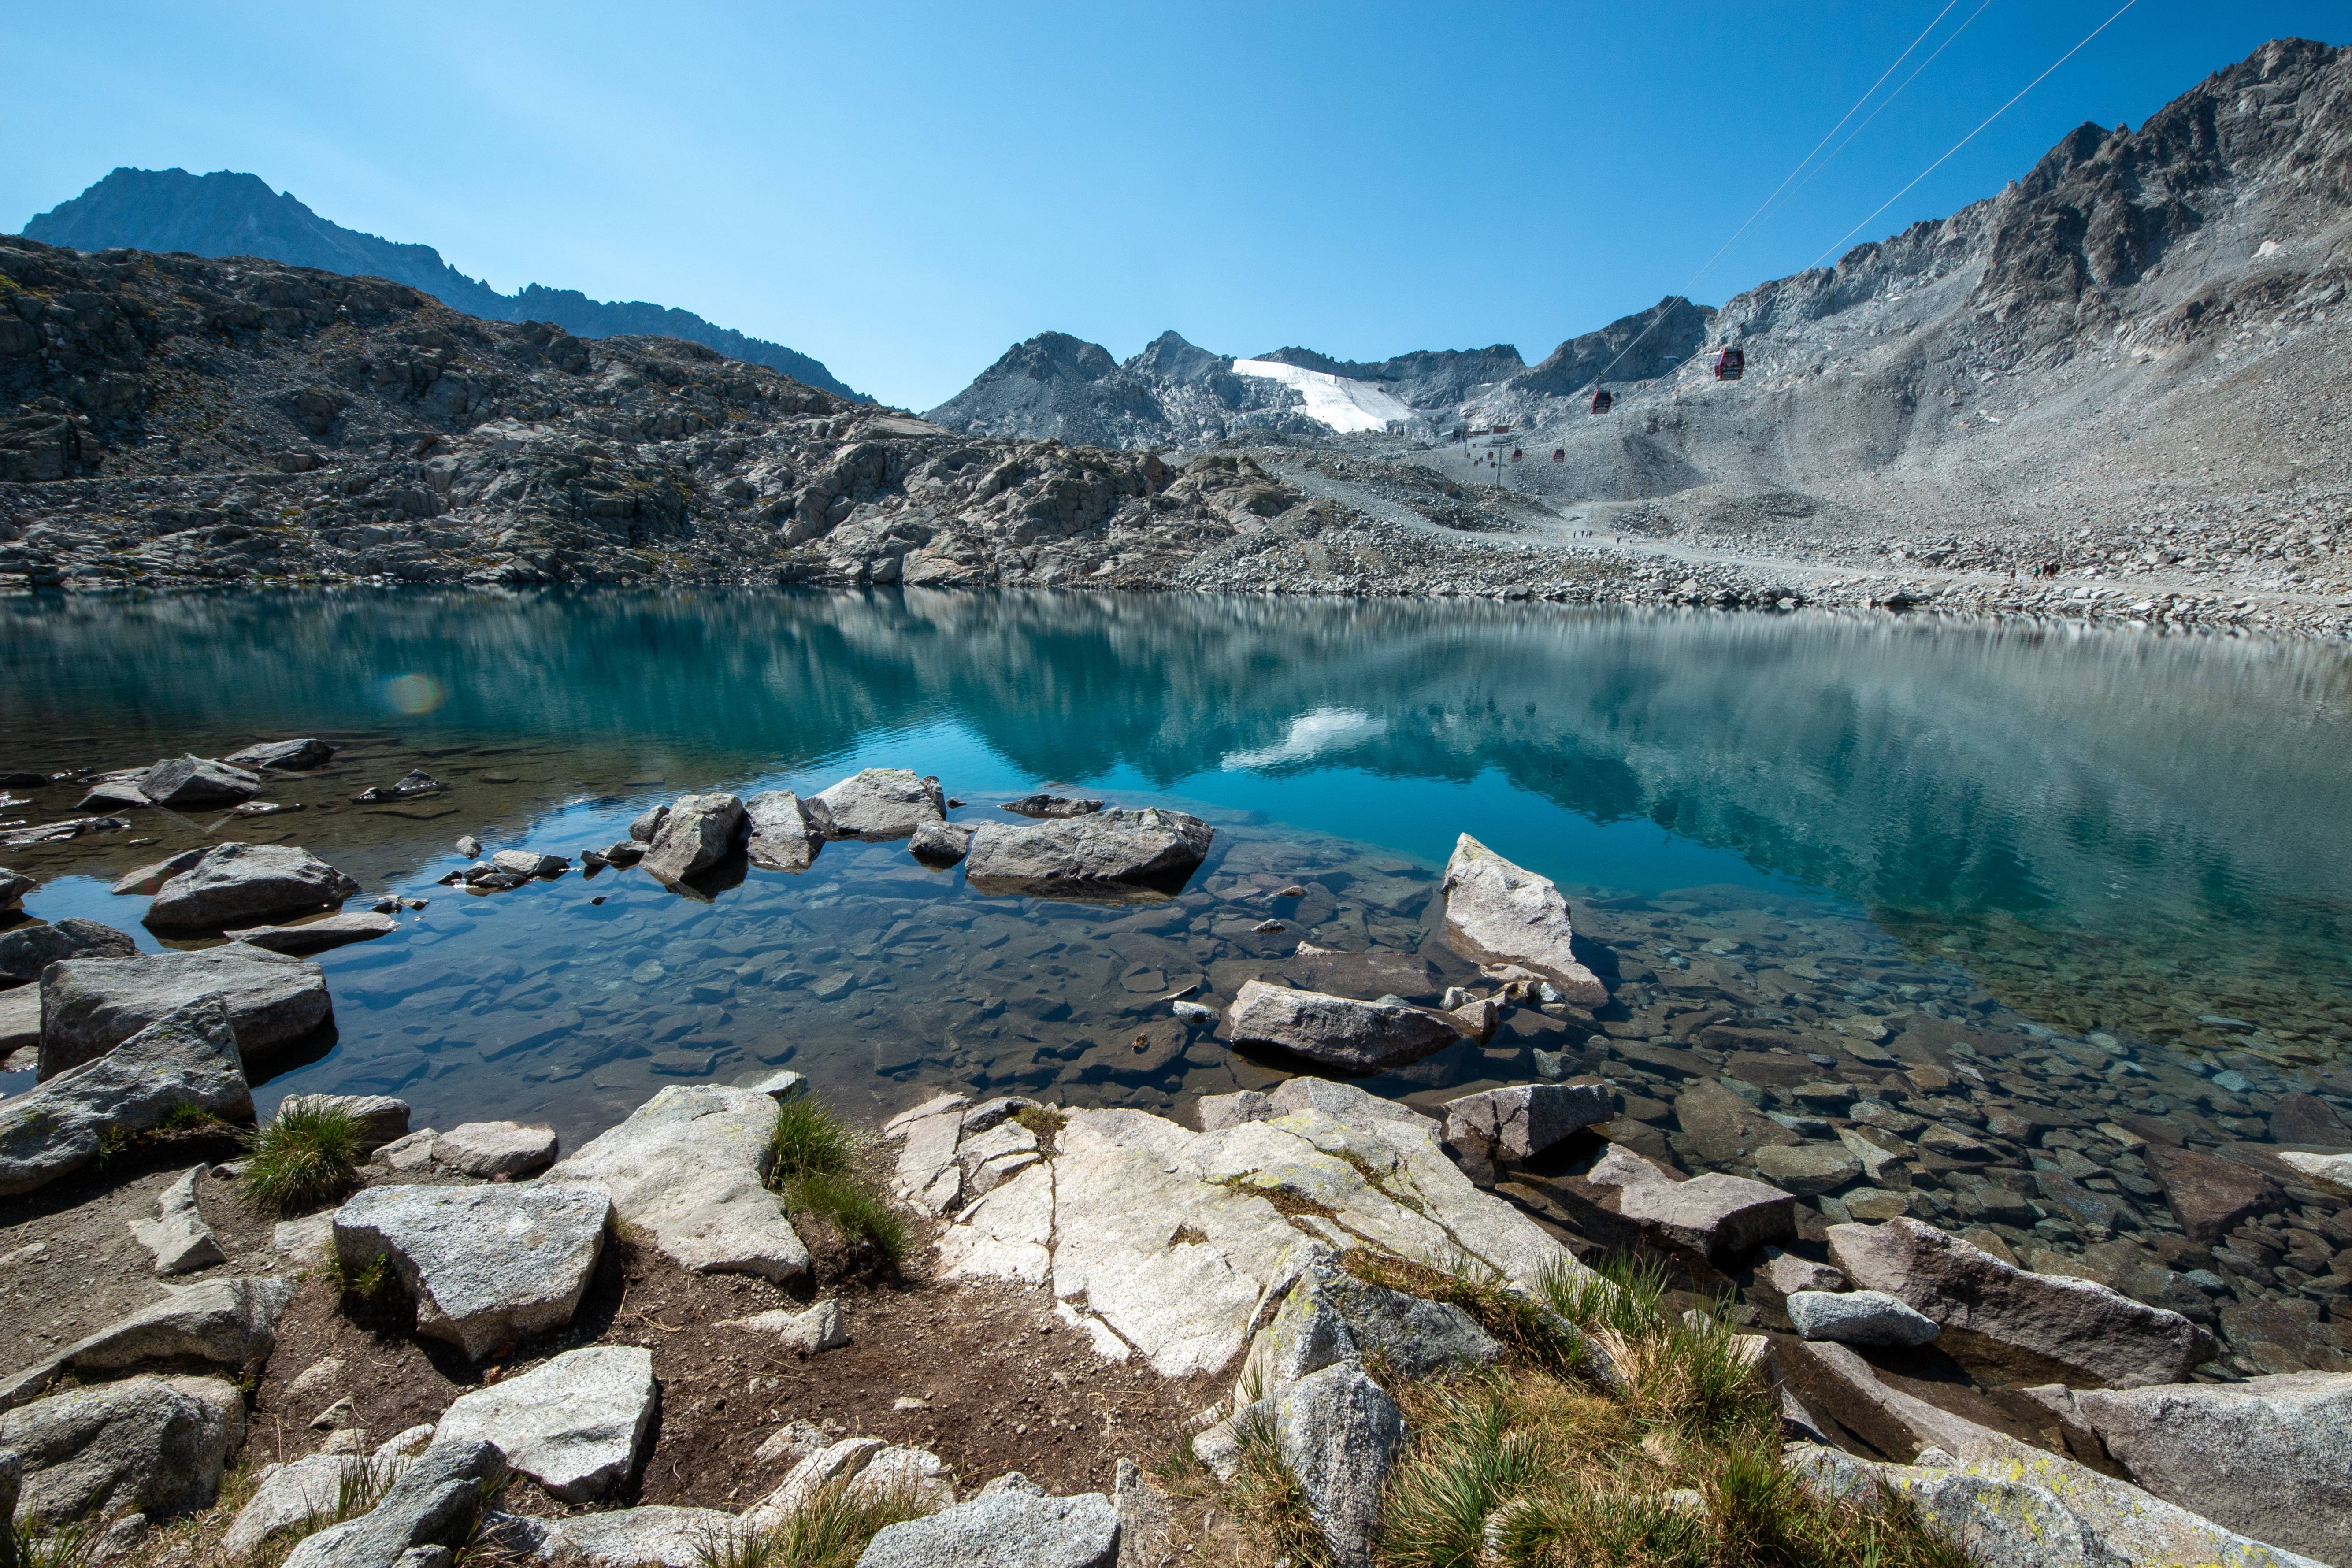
x: 1333, y: 400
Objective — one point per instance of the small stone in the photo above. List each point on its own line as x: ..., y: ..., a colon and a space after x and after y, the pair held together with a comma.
x: 819, y: 1328
x: 488, y: 1149
x: 178, y: 1236
x: 1859, y: 1317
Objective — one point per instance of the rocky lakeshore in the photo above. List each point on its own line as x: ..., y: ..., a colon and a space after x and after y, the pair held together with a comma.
x: 2059, y: 1298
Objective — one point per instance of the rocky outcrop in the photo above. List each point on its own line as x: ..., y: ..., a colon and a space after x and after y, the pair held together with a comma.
x: 1336, y: 1031
x: 699, y: 832
x: 26, y: 950
x: 876, y: 805
x: 91, y: 1005
x: 1109, y: 853
x: 188, y: 1057
x: 485, y: 1265
x: 155, y: 1446
x: 1506, y: 914
x: 2023, y: 1326
x: 576, y: 1423
x: 689, y: 1168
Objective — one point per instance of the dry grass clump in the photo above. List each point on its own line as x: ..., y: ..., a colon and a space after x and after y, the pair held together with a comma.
x: 831, y: 1530
x: 1677, y: 1465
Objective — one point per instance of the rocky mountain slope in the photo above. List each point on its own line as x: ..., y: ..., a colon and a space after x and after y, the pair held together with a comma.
x: 224, y: 214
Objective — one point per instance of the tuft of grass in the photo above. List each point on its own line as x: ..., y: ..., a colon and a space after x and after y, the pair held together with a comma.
x: 185, y: 1116
x: 1043, y: 1120
x: 66, y: 1546
x: 809, y: 1140
x: 368, y: 1283
x: 853, y: 1208
x: 303, y: 1157
x: 1525, y: 1327
x: 829, y: 1531
x: 1269, y: 1505
x: 113, y: 1144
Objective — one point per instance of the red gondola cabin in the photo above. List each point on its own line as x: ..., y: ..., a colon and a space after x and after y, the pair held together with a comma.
x: 1730, y: 364
x: 1602, y: 400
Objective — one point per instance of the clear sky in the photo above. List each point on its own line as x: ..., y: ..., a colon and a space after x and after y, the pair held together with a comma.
x: 904, y: 190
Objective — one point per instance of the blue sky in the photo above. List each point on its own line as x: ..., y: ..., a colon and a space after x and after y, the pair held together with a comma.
x: 904, y: 190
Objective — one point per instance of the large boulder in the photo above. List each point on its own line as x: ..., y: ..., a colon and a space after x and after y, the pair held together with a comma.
x: 27, y: 950
x: 1504, y: 913
x: 1524, y: 1120
x: 155, y: 1446
x: 191, y: 783
x: 576, y: 1423
x: 91, y: 1005
x: 2013, y: 1324
x: 783, y: 838
x: 188, y: 1057
x: 20, y: 1024
x: 689, y: 1168
x: 1012, y: 1523
x: 434, y: 1503
x: 2271, y: 1457
x: 1336, y: 1031
x: 876, y: 805
x: 485, y: 1265
x: 1109, y: 853
x: 283, y: 756
x: 1713, y: 1215
x: 236, y: 883
x: 699, y: 832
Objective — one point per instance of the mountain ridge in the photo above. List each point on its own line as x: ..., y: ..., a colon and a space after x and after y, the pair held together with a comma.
x: 227, y: 213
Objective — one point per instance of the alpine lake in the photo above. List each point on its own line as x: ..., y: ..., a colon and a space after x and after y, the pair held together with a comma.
x: 2034, y: 910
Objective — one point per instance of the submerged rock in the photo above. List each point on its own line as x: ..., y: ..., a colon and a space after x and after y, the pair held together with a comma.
x: 283, y: 756
x: 689, y: 1167
x: 1101, y: 854
x: 26, y: 950
x: 234, y: 883
x: 151, y: 878
x: 575, y: 1423
x: 188, y: 1057
x: 318, y: 936
x: 1336, y: 1031
x: 1504, y: 913
x: 876, y: 805
x: 2028, y: 1326
x: 408, y: 786
x: 91, y: 1005
x: 485, y: 1265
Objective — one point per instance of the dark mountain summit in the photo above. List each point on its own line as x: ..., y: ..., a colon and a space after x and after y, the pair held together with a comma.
x: 227, y: 213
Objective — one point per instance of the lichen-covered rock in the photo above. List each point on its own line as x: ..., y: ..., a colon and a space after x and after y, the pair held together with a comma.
x: 485, y: 1265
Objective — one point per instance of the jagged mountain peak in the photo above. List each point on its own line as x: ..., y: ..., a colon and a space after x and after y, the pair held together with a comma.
x: 228, y: 213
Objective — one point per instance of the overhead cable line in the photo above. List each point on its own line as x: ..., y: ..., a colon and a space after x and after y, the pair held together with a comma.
x: 1891, y: 96
x: 1972, y: 135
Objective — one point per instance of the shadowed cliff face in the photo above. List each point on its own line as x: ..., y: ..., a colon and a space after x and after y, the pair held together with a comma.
x: 2185, y: 797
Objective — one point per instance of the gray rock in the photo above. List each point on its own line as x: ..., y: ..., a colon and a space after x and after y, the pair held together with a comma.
x: 2018, y: 1325
x: 818, y: 1328
x: 1523, y: 1120
x: 91, y: 1005
x: 1336, y: 1031
x: 1715, y: 1214
x: 234, y: 883
x: 652, y: 1536
x: 576, y: 1425
x: 863, y: 1469
x: 1104, y: 852
x: 151, y: 877
x: 290, y: 1496
x: 485, y: 1265
x: 189, y: 1057
x: 1807, y: 1169
x: 2330, y: 1172
x: 699, y: 832
x: 648, y: 824
x: 115, y: 794
x: 877, y: 804
x: 283, y: 756
x: 1052, y: 806
x: 228, y: 1322
x: 1858, y: 1318
x: 778, y: 1086
x: 318, y: 936
x: 1343, y: 1103
x: 1786, y: 1274
x: 529, y: 863
x: 148, y: 1445
x: 928, y: 1176
x: 408, y: 786
x: 434, y: 1503
x: 940, y: 845
x: 2269, y: 1457
x: 488, y: 1149
x: 1215, y: 1113
x: 20, y: 1027
x: 687, y: 1167
x: 27, y: 950
x: 1504, y: 913
x: 1832, y: 1379
x: 627, y: 852
x: 186, y: 783
x: 1012, y: 1523
x: 468, y: 846
x: 1330, y: 1316
x: 382, y: 1119
x: 178, y: 1236
x: 783, y: 839
x: 14, y: 886
x: 1336, y: 1431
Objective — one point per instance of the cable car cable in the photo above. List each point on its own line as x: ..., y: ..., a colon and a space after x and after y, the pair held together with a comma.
x: 1891, y: 96
x: 1972, y: 135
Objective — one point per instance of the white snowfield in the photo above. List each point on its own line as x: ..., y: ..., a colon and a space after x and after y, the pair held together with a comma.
x: 1332, y: 400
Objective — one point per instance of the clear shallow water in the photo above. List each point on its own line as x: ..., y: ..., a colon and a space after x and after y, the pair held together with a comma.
x: 2096, y: 869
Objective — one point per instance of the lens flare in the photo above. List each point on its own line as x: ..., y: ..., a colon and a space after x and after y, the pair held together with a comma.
x: 414, y: 694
